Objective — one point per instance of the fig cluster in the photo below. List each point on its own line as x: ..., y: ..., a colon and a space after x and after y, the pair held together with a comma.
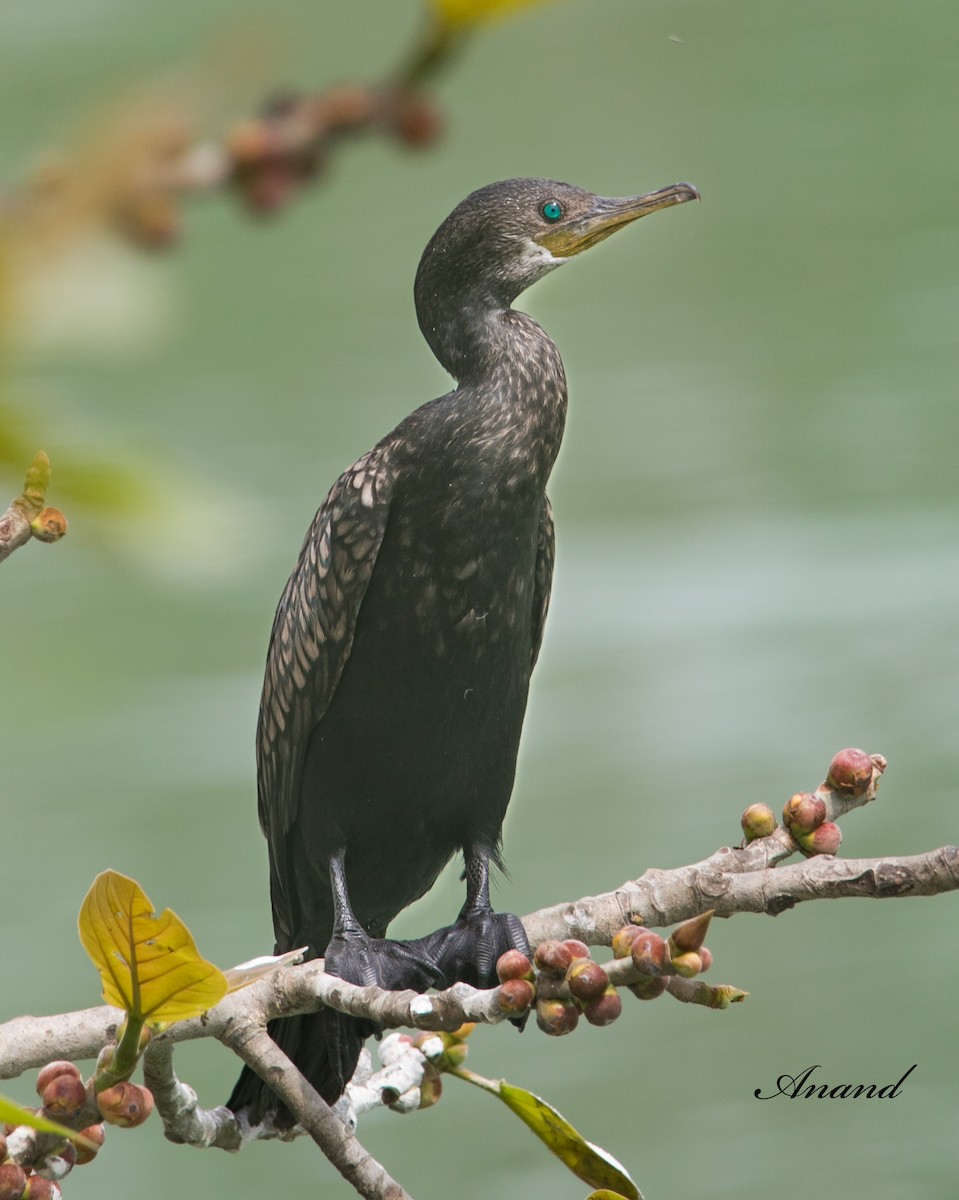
x: 563, y: 982
x: 683, y: 953
x: 66, y: 1099
x: 804, y: 815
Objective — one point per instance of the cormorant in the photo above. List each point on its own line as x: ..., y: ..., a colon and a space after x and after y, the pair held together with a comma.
x: 401, y: 652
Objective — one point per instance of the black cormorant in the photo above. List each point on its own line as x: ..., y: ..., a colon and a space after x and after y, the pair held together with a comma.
x: 401, y: 652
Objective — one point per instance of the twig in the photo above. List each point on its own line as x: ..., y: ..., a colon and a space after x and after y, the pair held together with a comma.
x: 27, y: 517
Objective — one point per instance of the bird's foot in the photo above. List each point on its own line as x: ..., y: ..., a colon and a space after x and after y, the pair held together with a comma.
x: 368, y: 961
x: 468, y: 950
x: 358, y: 958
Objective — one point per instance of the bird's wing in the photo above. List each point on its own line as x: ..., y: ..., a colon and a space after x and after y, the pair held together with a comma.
x: 311, y: 641
x: 543, y: 583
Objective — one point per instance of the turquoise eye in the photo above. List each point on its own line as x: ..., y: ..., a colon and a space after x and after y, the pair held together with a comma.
x: 552, y: 210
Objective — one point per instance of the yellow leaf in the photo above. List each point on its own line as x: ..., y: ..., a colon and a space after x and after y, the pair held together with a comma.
x: 148, y: 964
x: 13, y: 1114
x: 605, y: 1194
x: 476, y: 12
x: 591, y: 1164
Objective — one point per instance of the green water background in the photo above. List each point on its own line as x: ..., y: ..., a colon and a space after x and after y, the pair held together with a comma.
x: 758, y: 522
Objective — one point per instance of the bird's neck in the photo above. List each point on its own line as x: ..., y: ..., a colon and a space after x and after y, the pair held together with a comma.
x: 512, y: 385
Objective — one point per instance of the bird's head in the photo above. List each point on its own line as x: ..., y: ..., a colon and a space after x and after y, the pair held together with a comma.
x: 505, y: 236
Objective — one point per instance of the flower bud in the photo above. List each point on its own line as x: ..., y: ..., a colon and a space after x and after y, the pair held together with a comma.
x: 125, y: 1104
x: 95, y: 1134
x: 850, y: 772
x: 758, y: 821
x: 648, y: 989
x: 577, y: 948
x: 587, y: 980
x: 3, y: 1147
x: 556, y: 1018
x: 688, y: 964
x: 650, y: 952
x: 825, y: 840
x: 691, y: 934
x: 13, y: 1181
x: 804, y: 812
x: 462, y: 1032
x: 513, y: 965
x: 553, y: 958
x: 516, y: 996
x: 52, y: 1070
x: 707, y: 956
x: 63, y: 1095
x: 604, y: 1009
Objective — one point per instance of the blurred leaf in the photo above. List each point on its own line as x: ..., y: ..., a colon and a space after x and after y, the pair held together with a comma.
x: 477, y: 12
x: 148, y: 964
x: 605, y: 1194
x: 588, y: 1162
x: 13, y: 1114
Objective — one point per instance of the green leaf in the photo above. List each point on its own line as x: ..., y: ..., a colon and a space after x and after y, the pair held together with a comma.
x: 588, y: 1162
x: 13, y: 1114
x: 149, y: 965
x: 605, y: 1194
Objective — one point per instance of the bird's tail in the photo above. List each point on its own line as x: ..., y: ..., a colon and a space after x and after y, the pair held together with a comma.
x: 324, y: 1046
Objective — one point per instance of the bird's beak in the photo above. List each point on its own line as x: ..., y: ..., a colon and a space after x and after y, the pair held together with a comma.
x: 605, y: 216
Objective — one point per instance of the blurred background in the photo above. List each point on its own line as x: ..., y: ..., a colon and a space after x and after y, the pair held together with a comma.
x: 757, y: 508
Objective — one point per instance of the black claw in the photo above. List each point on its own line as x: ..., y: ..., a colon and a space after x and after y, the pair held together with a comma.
x: 468, y: 951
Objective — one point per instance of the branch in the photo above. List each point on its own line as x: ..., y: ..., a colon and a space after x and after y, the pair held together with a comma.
x: 729, y: 881
x: 27, y: 517
x: 135, y: 179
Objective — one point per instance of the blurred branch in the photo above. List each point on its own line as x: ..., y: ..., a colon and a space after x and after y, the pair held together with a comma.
x: 135, y: 180
x: 27, y: 517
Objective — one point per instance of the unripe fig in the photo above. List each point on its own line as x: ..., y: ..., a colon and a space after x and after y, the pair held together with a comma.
x: 556, y: 1018
x: 586, y: 979
x: 758, y: 821
x: 649, y: 989
x: 125, y: 1104
x: 513, y: 965
x: 577, y: 948
x: 39, y: 1188
x: 650, y: 952
x: 63, y: 1095
x: 13, y: 1181
x: 688, y: 964
x: 52, y: 1070
x: 825, y: 840
x: 623, y: 939
x: 431, y: 1088
x: 516, y: 995
x: 553, y: 958
x: 804, y: 812
x: 95, y: 1134
x: 850, y: 772
x: 691, y: 934
x: 604, y: 1009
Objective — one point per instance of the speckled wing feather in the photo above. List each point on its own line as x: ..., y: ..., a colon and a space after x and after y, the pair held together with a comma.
x: 543, y: 583
x: 310, y: 644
